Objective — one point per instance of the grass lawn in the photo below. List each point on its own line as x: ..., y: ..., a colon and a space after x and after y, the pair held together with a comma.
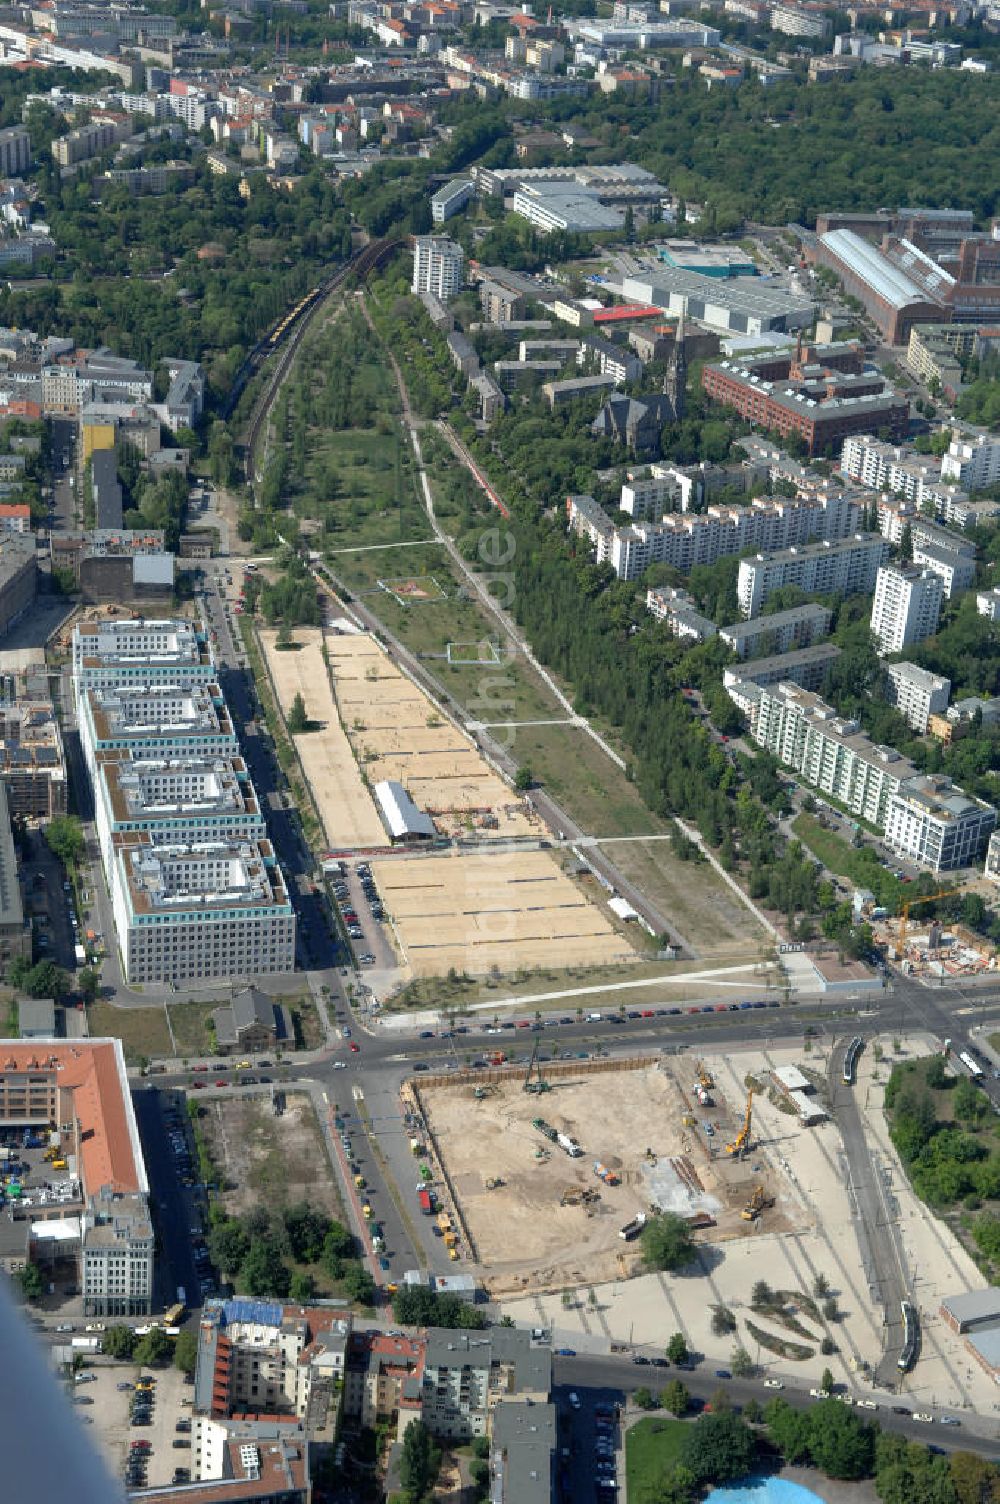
x: 189, y: 1022
x: 591, y: 788
x: 652, y: 1448
x: 142, y: 1031
x: 373, y: 500
x: 511, y: 691
x: 832, y: 850
x: 693, y: 896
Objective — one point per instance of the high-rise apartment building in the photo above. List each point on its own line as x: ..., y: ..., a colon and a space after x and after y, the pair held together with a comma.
x: 846, y: 567
x: 437, y: 266
x: 917, y: 694
x: 15, y: 151
x: 933, y: 823
x: 906, y: 607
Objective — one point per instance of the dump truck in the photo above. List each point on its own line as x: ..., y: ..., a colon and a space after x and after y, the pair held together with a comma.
x: 570, y: 1145
x: 632, y: 1229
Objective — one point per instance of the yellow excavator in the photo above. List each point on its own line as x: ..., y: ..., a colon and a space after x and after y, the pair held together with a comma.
x: 759, y: 1199
x: 742, y: 1139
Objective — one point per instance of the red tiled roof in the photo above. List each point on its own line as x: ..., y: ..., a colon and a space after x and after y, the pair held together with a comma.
x: 89, y: 1068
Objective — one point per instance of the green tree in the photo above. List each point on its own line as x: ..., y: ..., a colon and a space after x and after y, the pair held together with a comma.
x: 119, y: 1342
x: 302, y: 1288
x: 297, y: 719
x: 761, y: 1295
x: 229, y: 1245
x: 675, y: 1398
x: 741, y: 1363
x: 186, y: 1350
x: 89, y: 982
x: 65, y: 839
x: 789, y: 1430
x: 840, y: 1444
x: 30, y: 1280
x: 667, y: 1243
x: 723, y: 1321
x: 155, y: 1347
x: 264, y: 1271
x: 645, y: 1398
x: 677, y: 1348
x: 523, y: 778
x: 718, y: 1448
x: 419, y: 1462
x: 307, y: 1227
x: 358, y: 1284
x: 826, y: 1381
x: 338, y: 1247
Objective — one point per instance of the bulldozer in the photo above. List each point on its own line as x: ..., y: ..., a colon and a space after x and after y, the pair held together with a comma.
x: 759, y: 1199
x: 494, y: 1183
x: 741, y: 1142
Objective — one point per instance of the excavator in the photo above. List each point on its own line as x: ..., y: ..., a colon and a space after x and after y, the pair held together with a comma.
x: 704, y: 1077
x: 759, y: 1199
x: 742, y: 1139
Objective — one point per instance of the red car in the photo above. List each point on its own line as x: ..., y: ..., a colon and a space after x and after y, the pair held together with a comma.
x: 355, y: 1047
x: 222, y: 1083
x: 648, y: 1013
x: 199, y: 1067
x: 523, y: 1023
x: 197, y: 1086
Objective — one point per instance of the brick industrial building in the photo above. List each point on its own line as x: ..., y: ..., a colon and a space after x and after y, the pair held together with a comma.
x: 822, y: 393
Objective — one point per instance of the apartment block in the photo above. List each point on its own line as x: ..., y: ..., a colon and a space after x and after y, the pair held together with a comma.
x: 956, y: 570
x: 692, y: 538
x: 501, y: 305
x: 797, y: 627
x: 906, y: 607
x: 588, y: 519
x: 437, y: 266
x: 916, y: 693
x: 806, y: 667
x: 830, y: 753
x: 974, y: 464
x: 678, y: 610
x: 79, y: 1089
x: 930, y: 821
x: 15, y: 152
x: 888, y: 467
x: 992, y: 866
x: 849, y: 566
x: 18, y: 578
x: 32, y: 761
x: 196, y: 911
x: 467, y: 1373
x: 451, y: 199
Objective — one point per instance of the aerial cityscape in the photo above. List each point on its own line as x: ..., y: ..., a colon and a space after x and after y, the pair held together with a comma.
x: 499, y: 752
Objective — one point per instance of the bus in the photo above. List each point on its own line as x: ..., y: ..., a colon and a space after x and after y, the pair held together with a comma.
x: 175, y: 1315
x: 973, y: 1067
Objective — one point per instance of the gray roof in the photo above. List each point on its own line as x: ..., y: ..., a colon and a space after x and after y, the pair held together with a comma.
x: 974, y: 1305
x: 987, y: 1344
x: 11, y: 912
x: 36, y: 1016
x: 524, y: 1440
x: 107, y: 491
x: 873, y: 268
x: 252, y: 1006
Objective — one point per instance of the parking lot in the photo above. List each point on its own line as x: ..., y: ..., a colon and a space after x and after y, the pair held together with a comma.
x: 355, y: 892
x: 104, y: 1403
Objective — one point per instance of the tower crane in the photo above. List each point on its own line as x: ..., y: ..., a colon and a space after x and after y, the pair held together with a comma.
x: 913, y: 902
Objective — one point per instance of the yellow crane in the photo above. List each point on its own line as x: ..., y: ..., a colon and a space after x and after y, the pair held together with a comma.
x: 742, y: 1139
x: 912, y: 903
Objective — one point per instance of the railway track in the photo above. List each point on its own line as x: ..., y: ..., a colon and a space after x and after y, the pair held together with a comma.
x: 287, y: 336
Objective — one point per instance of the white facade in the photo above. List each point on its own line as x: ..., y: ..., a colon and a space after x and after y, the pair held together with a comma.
x: 933, y: 823
x: 846, y: 567
x: 972, y: 465
x: 678, y: 609
x: 830, y: 753
x: 906, y: 608
x: 988, y: 603
x: 957, y: 571
x: 795, y: 628
x: 992, y: 867
x: 117, y: 1255
x: 917, y: 694
x: 452, y: 198
x: 437, y: 266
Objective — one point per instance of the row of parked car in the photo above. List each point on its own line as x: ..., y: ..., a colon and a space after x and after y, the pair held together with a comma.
x: 349, y: 914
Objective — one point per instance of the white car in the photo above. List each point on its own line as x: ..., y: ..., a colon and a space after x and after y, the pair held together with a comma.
x: 819, y: 1394
x: 340, y: 1065
x: 574, y: 1399
x: 922, y: 1415
x: 773, y: 1384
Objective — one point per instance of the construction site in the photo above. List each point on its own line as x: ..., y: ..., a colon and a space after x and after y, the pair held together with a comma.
x: 549, y: 1171
x: 923, y: 946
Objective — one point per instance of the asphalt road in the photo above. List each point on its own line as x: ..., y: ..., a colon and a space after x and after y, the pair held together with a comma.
x: 175, y: 1208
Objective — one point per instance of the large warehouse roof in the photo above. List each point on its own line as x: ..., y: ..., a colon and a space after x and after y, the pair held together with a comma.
x: 868, y: 263
x: 399, y: 813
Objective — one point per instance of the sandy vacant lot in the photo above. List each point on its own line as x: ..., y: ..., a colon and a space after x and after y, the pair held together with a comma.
x: 630, y: 1120
x: 278, y: 1160
x: 509, y: 909
x: 349, y: 815
x: 398, y: 733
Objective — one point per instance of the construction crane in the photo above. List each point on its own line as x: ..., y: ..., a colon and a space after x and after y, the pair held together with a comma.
x: 913, y: 902
x: 742, y: 1139
x: 539, y: 1084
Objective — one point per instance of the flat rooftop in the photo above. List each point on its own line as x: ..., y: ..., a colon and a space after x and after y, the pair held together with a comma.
x: 192, y: 877
x: 131, y: 641
x: 119, y: 711
x: 93, y: 1072
x: 30, y: 740
x: 165, y: 788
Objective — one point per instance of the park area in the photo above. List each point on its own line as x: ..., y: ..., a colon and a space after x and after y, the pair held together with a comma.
x: 480, y: 911
x: 551, y: 1221
x: 349, y: 816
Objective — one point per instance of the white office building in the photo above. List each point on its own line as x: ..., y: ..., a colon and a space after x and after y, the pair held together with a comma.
x: 830, y: 753
x: 135, y: 651
x: 933, y: 823
x: 916, y: 693
x: 846, y: 567
x: 973, y: 465
x: 155, y: 720
x: 988, y: 603
x: 907, y: 606
x: 956, y: 569
x: 194, y: 912
x: 437, y: 266
x: 451, y: 199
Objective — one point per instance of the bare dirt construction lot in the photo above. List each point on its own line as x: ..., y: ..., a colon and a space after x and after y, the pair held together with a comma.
x: 553, y: 1222
x: 397, y: 732
x: 349, y: 816
x: 262, y: 1157
x: 473, y: 911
